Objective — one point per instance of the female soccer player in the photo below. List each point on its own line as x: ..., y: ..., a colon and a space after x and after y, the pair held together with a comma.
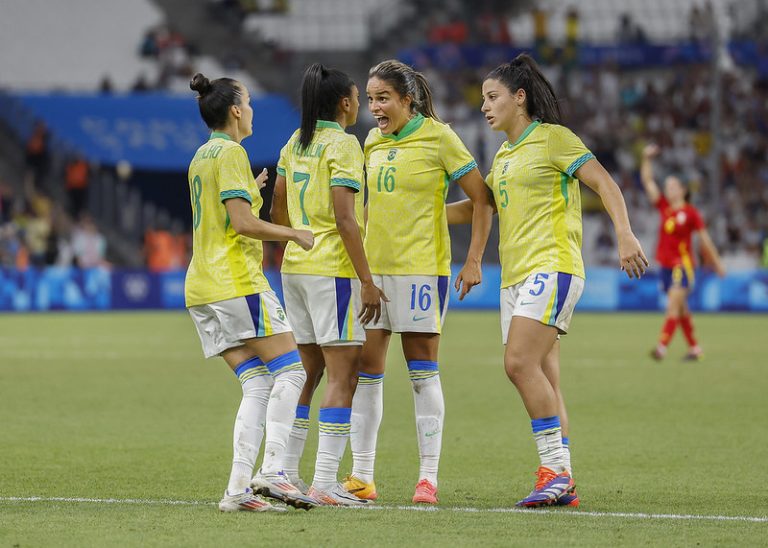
x: 534, y: 182
x: 411, y: 157
x: 236, y: 314
x: 329, y: 291
x: 679, y: 220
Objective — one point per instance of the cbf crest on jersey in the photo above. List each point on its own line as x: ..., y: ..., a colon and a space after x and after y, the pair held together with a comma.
x: 392, y: 154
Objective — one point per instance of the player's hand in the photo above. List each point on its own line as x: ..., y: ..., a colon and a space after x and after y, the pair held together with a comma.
x: 305, y: 238
x: 261, y: 179
x: 651, y: 151
x: 371, y: 297
x: 471, y: 275
x: 631, y: 256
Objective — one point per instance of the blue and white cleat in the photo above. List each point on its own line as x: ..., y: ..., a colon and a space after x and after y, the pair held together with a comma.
x: 550, y: 487
x: 277, y: 486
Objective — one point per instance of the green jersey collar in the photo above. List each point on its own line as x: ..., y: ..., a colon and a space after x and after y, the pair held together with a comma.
x: 409, y: 128
x: 220, y: 135
x: 524, y: 134
x: 326, y: 123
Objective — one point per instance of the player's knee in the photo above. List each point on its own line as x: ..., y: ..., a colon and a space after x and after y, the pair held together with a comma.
x: 516, y: 367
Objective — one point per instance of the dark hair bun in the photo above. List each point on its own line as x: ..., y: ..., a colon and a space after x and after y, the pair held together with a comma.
x: 200, y: 84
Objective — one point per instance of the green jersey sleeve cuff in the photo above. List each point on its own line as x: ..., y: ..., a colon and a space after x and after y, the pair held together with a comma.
x: 578, y: 163
x: 229, y: 194
x: 281, y: 171
x: 351, y: 183
x: 459, y: 173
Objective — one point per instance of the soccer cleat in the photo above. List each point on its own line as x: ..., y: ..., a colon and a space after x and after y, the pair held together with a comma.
x: 695, y: 353
x: 277, y: 486
x: 550, y: 486
x: 425, y: 492
x: 360, y: 489
x: 568, y: 499
x: 299, y: 484
x: 336, y: 496
x: 658, y: 353
x: 247, y: 502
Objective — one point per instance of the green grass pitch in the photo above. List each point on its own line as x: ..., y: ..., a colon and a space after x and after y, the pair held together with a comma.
x: 123, y: 406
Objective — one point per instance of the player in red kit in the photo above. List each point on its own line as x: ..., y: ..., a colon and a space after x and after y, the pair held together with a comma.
x: 679, y: 221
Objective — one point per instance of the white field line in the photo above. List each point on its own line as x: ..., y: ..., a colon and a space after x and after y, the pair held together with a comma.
x: 580, y: 513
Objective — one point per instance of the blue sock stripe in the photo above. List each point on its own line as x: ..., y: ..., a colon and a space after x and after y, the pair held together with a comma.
x: 565, y: 442
x: 302, y: 411
x: 369, y: 376
x: 546, y: 423
x: 248, y: 364
x: 421, y: 365
x: 338, y: 415
x: 281, y: 362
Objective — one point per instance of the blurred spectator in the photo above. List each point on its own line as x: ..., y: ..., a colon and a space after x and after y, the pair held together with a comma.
x: 629, y: 31
x: 37, y: 154
x: 76, y: 178
x: 88, y: 245
x: 105, y: 86
x: 541, y: 44
x: 164, y: 250
x: 141, y: 85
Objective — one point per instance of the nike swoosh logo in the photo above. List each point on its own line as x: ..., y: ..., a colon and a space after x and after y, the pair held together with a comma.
x: 430, y: 434
x: 419, y: 318
x: 526, y: 302
x: 357, y: 490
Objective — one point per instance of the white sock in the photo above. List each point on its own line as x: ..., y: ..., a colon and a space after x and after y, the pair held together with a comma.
x: 289, y: 378
x: 367, y: 409
x: 430, y: 412
x: 567, y: 456
x: 334, y: 433
x: 549, y: 442
x: 249, y: 424
x: 296, y: 442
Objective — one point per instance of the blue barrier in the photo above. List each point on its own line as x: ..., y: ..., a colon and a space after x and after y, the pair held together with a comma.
x: 606, y: 289
x: 452, y: 56
x: 152, y: 131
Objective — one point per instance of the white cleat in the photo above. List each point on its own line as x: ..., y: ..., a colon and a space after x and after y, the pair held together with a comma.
x: 336, y: 496
x: 299, y: 484
x: 277, y: 486
x: 246, y: 502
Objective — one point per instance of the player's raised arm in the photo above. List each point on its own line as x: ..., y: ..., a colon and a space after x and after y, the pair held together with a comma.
x: 646, y: 173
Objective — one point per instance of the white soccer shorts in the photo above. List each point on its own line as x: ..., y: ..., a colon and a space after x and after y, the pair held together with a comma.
x: 547, y: 297
x: 226, y: 324
x: 323, y: 309
x: 417, y: 304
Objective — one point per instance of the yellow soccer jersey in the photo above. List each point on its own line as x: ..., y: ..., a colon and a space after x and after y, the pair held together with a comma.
x: 408, y: 177
x: 333, y: 158
x: 224, y: 264
x: 539, y: 202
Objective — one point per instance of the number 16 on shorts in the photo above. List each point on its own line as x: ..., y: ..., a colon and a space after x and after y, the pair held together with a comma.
x: 416, y: 303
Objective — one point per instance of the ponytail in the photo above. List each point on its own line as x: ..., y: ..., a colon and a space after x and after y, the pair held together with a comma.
x: 407, y: 83
x: 321, y: 91
x: 523, y: 73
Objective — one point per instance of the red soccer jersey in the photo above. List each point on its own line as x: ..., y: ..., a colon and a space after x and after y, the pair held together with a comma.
x: 675, y: 231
